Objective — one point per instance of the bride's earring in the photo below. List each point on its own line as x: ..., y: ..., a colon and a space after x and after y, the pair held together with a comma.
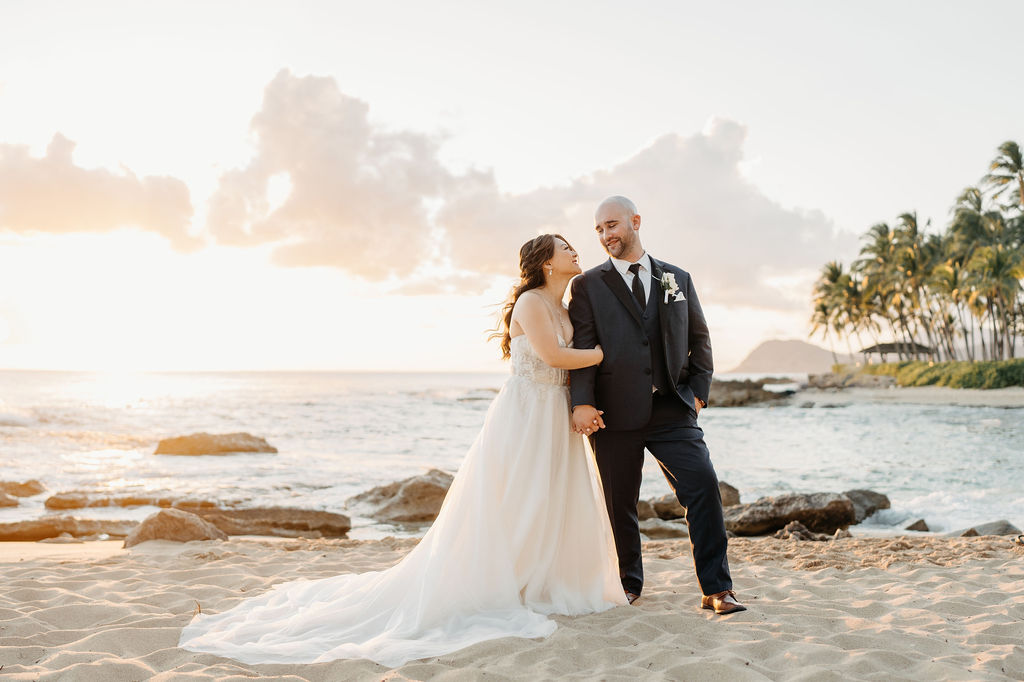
x: 551, y: 271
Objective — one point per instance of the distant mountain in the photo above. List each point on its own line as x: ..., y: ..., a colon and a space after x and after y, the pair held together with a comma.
x: 789, y: 357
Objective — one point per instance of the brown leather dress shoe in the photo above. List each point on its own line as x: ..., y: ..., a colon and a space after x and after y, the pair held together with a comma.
x: 630, y: 597
x: 722, y: 603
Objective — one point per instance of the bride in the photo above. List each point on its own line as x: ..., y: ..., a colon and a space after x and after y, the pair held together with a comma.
x: 523, y: 532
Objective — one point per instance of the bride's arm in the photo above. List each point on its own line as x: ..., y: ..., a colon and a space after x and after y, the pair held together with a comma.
x: 531, y: 313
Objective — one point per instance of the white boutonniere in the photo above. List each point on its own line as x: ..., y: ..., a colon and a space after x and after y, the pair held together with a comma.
x: 669, y: 286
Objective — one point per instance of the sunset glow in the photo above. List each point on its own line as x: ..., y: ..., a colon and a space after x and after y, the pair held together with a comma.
x: 345, y: 186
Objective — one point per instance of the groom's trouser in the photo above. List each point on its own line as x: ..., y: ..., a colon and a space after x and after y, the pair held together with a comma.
x: 675, y: 440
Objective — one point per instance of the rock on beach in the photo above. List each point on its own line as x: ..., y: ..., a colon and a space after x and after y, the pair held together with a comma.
x: 176, y: 525
x: 819, y: 512
x: 54, y: 526
x: 277, y: 521
x: 415, y: 500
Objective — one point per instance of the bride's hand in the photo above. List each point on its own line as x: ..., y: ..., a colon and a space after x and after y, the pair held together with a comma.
x: 600, y: 354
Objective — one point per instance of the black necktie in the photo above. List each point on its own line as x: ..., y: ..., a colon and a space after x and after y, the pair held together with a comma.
x: 638, y: 289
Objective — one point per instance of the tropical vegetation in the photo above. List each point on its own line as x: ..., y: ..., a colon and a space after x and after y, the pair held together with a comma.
x: 994, y: 374
x: 953, y: 295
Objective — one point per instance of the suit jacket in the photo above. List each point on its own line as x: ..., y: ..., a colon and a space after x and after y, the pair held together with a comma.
x: 603, y: 311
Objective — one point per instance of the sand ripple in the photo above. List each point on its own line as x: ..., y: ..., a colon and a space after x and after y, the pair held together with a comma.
x: 861, y: 608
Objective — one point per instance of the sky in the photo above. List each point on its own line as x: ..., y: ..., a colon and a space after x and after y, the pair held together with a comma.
x: 345, y: 186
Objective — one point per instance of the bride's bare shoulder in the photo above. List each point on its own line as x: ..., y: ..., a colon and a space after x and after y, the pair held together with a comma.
x: 528, y: 300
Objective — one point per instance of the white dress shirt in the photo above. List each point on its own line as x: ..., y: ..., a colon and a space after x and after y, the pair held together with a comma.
x: 645, y: 273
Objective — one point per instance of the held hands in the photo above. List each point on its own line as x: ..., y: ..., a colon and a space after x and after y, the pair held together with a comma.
x: 586, y: 419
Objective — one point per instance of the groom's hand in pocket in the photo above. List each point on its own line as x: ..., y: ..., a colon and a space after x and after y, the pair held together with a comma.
x: 586, y: 419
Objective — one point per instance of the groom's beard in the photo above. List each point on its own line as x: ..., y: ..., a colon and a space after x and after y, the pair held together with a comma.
x: 619, y: 248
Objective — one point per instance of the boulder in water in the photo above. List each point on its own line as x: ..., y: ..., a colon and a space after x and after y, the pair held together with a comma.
x: 730, y: 495
x: 1001, y: 527
x: 213, y: 444
x: 26, y: 489
x: 866, y: 503
x: 7, y: 501
x: 80, y: 500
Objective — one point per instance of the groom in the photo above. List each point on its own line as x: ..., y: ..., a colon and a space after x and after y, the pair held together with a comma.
x: 647, y: 393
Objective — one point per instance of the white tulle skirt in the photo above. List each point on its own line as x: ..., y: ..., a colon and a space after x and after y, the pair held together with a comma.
x: 523, y: 533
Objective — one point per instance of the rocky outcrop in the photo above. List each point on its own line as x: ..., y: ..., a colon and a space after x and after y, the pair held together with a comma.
x: 277, y: 521
x: 866, y: 503
x: 81, y: 500
x: 175, y: 525
x: 819, y: 512
x: 54, y: 526
x: 1001, y: 527
x: 742, y: 393
x: 273, y: 521
x: 213, y: 444
x: 645, y: 510
x: 414, y: 500
x: 919, y: 526
x: 26, y: 489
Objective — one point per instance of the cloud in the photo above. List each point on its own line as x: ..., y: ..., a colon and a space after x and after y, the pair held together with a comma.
x: 381, y: 205
x: 699, y: 212
x: 359, y: 197
x: 51, y: 194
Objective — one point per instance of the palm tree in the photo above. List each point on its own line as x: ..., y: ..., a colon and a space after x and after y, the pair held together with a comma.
x: 998, y: 271
x: 1007, y: 172
x: 949, y: 283
x: 825, y: 317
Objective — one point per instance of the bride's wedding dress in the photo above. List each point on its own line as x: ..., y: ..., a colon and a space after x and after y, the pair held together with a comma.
x: 523, y: 533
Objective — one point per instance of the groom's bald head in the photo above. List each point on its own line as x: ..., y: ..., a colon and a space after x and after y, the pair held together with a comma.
x: 617, y: 225
x: 621, y: 202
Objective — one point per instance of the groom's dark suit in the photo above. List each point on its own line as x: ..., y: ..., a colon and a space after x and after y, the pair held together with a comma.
x: 665, y: 346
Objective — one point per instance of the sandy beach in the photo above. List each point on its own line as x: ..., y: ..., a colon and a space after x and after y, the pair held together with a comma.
x: 858, y: 608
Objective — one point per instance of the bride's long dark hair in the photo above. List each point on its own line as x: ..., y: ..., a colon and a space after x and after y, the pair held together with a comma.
x: 532, y: 256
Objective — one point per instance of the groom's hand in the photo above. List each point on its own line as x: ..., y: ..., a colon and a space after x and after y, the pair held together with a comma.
x: 586, y: 419
x: 697, y: 405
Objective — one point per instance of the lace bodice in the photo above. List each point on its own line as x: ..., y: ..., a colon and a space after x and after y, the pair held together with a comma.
x: 528, y: 365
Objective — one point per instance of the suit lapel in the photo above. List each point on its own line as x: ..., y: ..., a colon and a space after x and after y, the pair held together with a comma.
x: 656, y: 273
x: 614, y: 281
x: 664, y: 308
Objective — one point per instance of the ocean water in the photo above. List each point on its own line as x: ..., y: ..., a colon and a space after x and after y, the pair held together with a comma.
x: 339, y: 434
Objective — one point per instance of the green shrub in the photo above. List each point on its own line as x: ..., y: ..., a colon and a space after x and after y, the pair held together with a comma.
x: 1000, y: 374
